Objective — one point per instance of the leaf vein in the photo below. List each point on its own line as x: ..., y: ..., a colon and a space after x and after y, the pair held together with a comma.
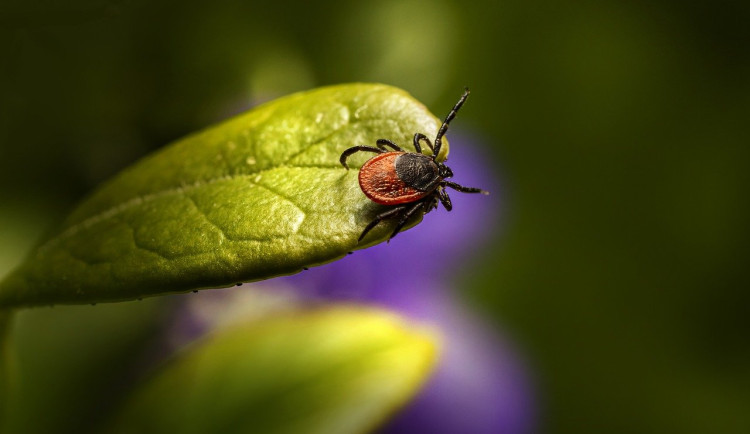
x: 203, y: 214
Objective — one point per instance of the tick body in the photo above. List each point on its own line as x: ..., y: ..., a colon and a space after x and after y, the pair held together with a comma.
x: 394, y: 178
x: 408, y: 182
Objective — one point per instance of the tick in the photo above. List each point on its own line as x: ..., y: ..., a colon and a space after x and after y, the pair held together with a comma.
x: 408, y: 182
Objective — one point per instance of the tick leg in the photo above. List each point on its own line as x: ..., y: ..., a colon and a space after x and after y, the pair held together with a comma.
x: 405, y: 217
x: 354, y: 149
x: 463, y: 189
x: 382, y: 143
x: 448, y: 119
x: 417, y: 138
x: 380, y: 217
x: 444, y: 199
x: 431, y: 204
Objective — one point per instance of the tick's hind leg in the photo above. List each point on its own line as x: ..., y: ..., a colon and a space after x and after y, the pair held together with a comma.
x: 407, y: 214
x: 463, y: 189
x: 354, y: 149
x: 380, y: 217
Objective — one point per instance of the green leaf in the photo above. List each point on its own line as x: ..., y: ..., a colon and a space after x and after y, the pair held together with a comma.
x: 334, y: 370
x: 257, y: 196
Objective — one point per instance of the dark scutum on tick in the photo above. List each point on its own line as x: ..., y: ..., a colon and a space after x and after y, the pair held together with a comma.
x: 410, y: 182
x: 417, y: 171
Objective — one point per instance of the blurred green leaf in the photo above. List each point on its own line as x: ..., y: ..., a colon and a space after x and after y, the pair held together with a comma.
x: 334, y: 370
x: 72, y: 363
x: 257, y: 196
x: 6, y: 362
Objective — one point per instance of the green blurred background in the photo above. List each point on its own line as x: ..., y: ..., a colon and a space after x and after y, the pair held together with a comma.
x: 619, y: 129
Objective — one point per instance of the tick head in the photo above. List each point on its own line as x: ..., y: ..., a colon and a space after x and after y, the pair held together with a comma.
x: 444, y: 171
